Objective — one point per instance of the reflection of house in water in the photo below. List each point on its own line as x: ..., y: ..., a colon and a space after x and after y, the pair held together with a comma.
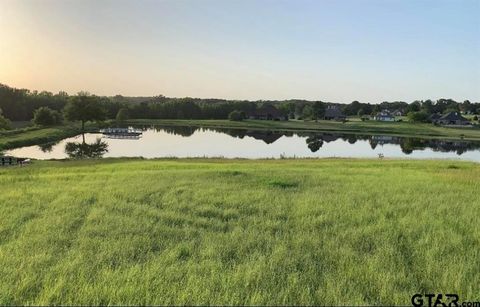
x: 459, y: 147
x: 177, y: 130
x: 267, y: 136
x: 315, y: 141
x: 408, y: 145
x: 384, y: 139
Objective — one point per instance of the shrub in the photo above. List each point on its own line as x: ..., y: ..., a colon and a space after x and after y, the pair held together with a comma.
x: 236, y: 116
x: 122, y: 115
x: 45, y: 116
x: 418, y: 117
x: 475, y: 117
x: 4, y: 122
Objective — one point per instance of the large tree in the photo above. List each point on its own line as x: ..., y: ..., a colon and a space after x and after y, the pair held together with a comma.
x: 84, y: 108
x: 44, y: 116
x: 4, y: 122
x: 318, y: 110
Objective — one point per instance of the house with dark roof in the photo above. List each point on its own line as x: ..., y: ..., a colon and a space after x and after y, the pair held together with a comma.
x: 384, y: 116
x: 333, y: 112
x: 267, y: 112
x: 453, y: 118
x: 434, y: 118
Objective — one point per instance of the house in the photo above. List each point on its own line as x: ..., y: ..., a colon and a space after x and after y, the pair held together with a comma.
x: 333, y: 112
x: 453, y: 118
x: 398, y: 112
x: 434, y: 118
x: 384, y: 116
x: 267, y: 112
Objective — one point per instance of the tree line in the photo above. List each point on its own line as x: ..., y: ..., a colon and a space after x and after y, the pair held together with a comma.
x: 50, y: 109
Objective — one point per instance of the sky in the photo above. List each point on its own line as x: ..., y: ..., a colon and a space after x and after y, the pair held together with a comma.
x: 329, y: 50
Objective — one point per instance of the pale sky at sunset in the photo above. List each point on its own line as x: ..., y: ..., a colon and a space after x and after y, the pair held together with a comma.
x: 339, y: 51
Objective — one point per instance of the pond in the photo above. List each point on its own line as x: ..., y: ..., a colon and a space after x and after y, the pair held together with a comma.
x: 156, y: 142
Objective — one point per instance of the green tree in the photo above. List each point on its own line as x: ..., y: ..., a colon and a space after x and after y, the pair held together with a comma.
x: 44, y: 116
x: 4, y: 122
x: 122, y: 115
x: 84, y: 108
x: 307, y: 112
x: 418, y: 117
x: 361, y: 112
x: 318, y: 110
x: 288, y: 108
x: 235, y: 116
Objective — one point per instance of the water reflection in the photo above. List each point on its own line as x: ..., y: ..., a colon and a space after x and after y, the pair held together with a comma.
x: 47, y: 147
x: 168, y: 141
x: 314, y: 143
x: 77, y: 150
x: 315, y: 140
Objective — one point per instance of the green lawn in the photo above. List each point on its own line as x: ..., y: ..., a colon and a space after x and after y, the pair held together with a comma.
x: 28, y: 136
x: 193, y: 231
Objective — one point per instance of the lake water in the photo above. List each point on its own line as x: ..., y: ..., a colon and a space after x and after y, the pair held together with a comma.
x: 238, y: 143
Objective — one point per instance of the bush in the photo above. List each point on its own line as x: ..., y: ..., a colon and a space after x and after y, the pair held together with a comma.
x: 122, y: 115
x: 475, y: 117
x: 4, y: 122
x: 45, y: 116
x: 236, y: 116
x: 418, y: 117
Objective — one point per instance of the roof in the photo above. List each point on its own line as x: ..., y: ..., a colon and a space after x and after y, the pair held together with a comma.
x: 435, y: 116
x: 453, y: 116
x: 334, y: 111
x: 382, y: 114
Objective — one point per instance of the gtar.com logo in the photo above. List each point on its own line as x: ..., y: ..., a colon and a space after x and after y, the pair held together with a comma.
x: 435, y: 300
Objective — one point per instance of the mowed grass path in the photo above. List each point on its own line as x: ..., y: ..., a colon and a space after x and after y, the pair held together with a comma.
x: 349, y: 232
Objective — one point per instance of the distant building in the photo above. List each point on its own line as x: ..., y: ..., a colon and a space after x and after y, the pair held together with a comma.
x: 333, y: 112
x: 453, y: 118
x: 384, y: 116
x: 398, y: 112
x: 434, y: 118
x: 267, y: 112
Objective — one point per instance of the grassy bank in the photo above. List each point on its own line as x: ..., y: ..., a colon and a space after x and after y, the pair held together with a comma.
x: 354, y: 127
x: 38, y: 135
x: 191, y: 231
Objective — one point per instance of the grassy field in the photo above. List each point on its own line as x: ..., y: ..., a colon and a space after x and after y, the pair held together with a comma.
x: 355, y: 127
x: 193, y: 231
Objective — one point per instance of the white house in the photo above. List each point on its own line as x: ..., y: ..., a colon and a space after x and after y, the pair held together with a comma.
x: 384, y: 116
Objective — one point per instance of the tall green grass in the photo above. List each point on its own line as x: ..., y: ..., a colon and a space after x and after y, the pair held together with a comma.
x: 192, y: 231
